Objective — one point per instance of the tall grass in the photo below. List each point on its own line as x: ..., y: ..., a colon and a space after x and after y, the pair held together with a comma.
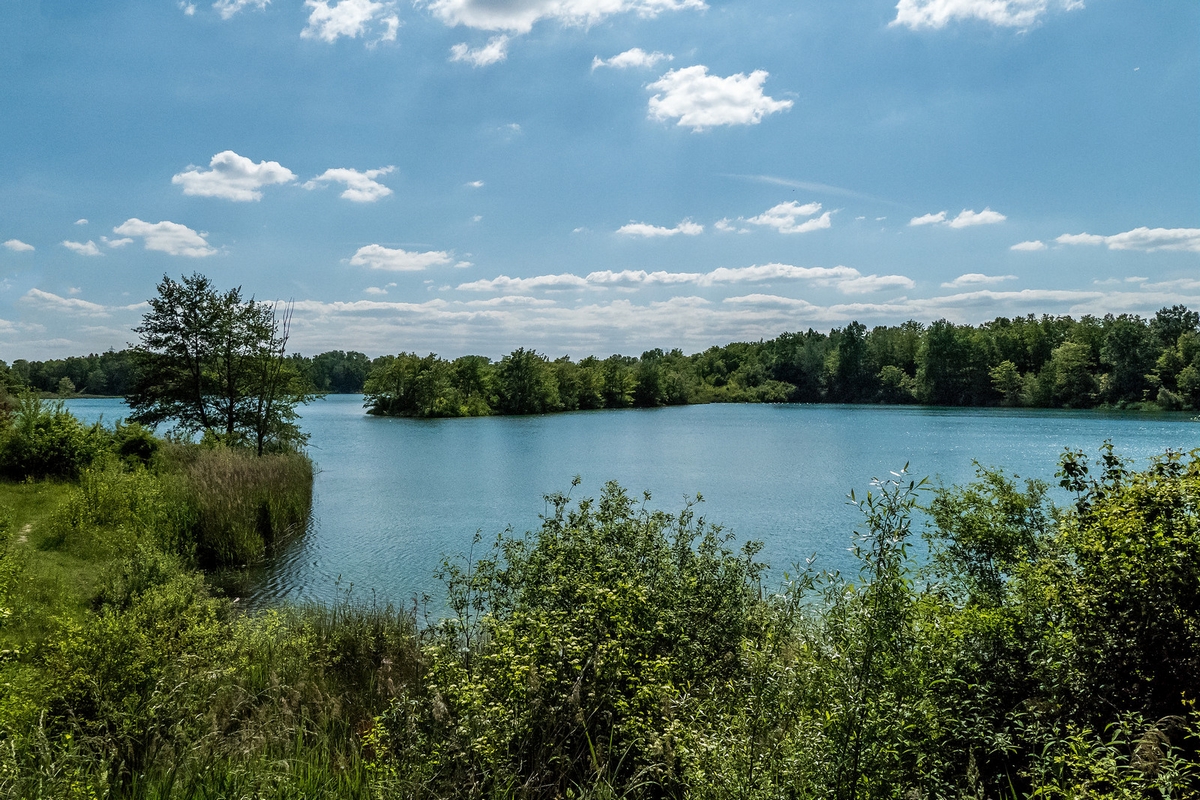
x: 243, y: 505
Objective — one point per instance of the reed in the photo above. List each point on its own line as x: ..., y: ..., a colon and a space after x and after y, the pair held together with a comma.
x: 244, y: 505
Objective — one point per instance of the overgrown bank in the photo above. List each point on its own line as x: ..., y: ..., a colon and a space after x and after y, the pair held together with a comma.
x: 616, y: 651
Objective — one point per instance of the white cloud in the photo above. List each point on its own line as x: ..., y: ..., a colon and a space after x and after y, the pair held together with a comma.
x: 1030, y: 246
x: 965, y: 219
x: 1146, y: 239
x: 167, y: 237
x: 476, y: 184
x: 977, y: 279
x: 503, y: 283
x: 699, y: 100
x: 376, y: 256
x: 686, y: 227
x: 351, y: 18
x: 70, y: 305
x: 845, y: 279
x: 188, y: 9
x: 361, y: 187
x: 81, y: 221
x: 232, y: 177
x: 929, y: 219
x: 494, y: 51
x: 519, y: 16
x: 17, y: 246
x: 227, y: 8
x: 726, y: 225
x: 114, y: 243
x: 87, y: 248
x: 783, y: 217
x: 968, y: 218
x: 917, y: 14
x: 637, y: 57
x: 374, y: 290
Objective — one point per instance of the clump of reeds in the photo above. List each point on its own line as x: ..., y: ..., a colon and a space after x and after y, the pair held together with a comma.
x: 243, y: 505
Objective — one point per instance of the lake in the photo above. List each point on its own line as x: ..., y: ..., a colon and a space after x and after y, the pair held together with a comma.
x: 394, y: 495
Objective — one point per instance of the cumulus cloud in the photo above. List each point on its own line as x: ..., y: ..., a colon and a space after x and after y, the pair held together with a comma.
x: 361, y: 187
x: 1145, y: 239
x: 519, y: 16
x: 977, y: 279
x: 114, y: 243
x: 726, y: 225
x: 167, y: 237
x: 1030, y: 246
x: 698, y: 100
x: 686, y: 227
x: 784, y: 218
x: 350, y: 18
x: 918, y: 14
x: 81, y: 221
x: 929, y: 219
x: 227, y: 8
x: 494, y: 51
x: 188, y: 9
x: 232, y: 177
x: 17, y: 246
x: 87, y: 248
x: 968, y: 218
x: 376, y: 256
x: 845, y: 279
x: 637, y: 57
x: 374, y: 290
x: 965, y: 219
x: 475, y: 184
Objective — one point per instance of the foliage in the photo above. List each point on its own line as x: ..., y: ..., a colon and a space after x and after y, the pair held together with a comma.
x: 214, y: 363
x: 568, y: 653
x: 621, y: 651
x: 44, y: 440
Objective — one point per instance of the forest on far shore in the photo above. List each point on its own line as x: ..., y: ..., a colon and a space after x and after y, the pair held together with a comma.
x: 1116, y: 361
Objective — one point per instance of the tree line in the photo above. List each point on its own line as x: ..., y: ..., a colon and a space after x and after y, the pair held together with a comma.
x: 1116, y: 361
x: 1049, y: 361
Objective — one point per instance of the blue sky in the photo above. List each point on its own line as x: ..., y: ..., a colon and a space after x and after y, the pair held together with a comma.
x: 594, y: 176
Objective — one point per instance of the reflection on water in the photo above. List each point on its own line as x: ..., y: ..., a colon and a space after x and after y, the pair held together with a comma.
x: 393, y: 495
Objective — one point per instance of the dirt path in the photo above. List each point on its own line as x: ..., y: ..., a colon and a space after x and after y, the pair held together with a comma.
x: 23, y: 536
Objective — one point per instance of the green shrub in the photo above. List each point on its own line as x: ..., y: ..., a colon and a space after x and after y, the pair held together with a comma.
x: 45, y: 441
x: 134, y: 444
x: 569, y: 653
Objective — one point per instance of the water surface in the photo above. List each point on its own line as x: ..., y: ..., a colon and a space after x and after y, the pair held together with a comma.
x: 394, y: 495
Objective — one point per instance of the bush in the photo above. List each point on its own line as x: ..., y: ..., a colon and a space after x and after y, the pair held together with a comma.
x: 569, y: 654
x: 45, y: 441
x: 134, y: 444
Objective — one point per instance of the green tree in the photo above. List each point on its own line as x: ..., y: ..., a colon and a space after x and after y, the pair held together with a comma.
x: 525, y: 383
x: 1129, y: 351
x: 214, y: 363
x: 1074, y: 384
x: 1008, y: 382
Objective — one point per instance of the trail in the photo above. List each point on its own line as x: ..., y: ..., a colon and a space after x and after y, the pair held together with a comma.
x: 23, y: 536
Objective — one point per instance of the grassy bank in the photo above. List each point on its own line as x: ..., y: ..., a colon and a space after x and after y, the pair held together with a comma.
x: 616, y: 651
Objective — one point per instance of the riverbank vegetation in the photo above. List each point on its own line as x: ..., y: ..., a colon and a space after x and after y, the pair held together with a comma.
x: 617, y: 650
x: 1048, y: 362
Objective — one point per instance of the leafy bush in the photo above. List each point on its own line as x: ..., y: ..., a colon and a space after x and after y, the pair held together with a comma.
x: 569, y: 653
x: 45, y: 441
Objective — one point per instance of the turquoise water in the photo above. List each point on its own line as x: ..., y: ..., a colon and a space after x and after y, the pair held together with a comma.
x: 394, y: 495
